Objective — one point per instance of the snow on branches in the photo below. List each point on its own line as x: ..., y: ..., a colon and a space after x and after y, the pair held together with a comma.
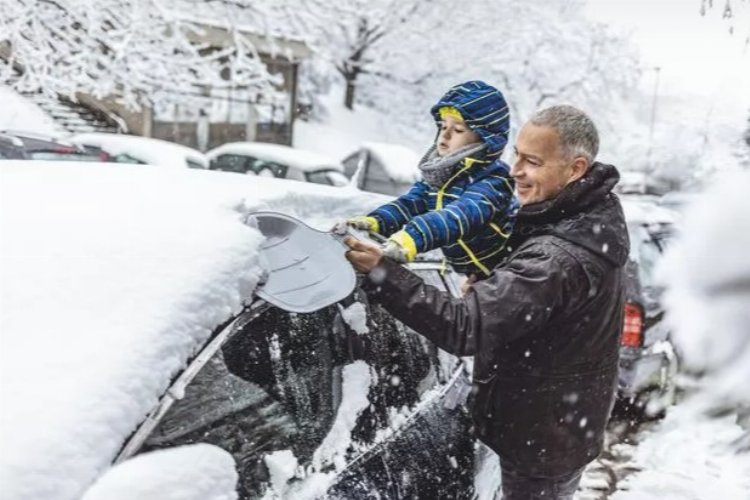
x: 130, y: 49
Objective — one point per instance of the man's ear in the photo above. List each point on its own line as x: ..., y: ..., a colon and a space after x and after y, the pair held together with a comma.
x: 578, y: 169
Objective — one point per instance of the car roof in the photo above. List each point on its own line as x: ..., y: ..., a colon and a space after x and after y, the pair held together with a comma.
x: 147, y: 149
x: 301, y: 159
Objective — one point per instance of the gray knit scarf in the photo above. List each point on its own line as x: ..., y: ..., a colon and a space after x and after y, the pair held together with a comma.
x: 436, y: 169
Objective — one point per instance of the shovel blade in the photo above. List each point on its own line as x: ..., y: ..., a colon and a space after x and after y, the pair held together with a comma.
x: 307, y: 269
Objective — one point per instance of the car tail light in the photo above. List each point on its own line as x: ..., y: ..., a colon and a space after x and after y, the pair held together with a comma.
x: 64, y: 150
x: 104, y: 156
x: 632, y: 332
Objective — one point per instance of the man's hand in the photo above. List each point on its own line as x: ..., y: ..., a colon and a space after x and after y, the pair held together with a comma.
x: 364, y: 256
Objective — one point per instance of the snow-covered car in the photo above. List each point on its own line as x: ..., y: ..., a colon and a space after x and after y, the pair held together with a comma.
x: 648, y: 362
x: 33, y: 146
x: 382, y: 168
x: 145, y: 343
x: 124, y: 148
x: 276, y: 160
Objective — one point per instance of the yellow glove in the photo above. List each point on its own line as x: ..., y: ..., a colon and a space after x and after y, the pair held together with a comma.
x: 364, y: 223
x: 400, y: 247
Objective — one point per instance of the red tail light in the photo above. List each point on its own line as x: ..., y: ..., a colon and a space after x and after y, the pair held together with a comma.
x: 632, y: 332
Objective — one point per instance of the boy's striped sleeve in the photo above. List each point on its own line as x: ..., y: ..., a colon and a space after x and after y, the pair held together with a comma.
x: 393, y: 216
x: 488, y: 200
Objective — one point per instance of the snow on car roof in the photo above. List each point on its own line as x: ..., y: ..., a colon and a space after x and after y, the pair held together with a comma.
x: 146, y: 149
x: 401, y: 163
x: 112, y: 278
x: 644, y: 210
x: 302, y: 159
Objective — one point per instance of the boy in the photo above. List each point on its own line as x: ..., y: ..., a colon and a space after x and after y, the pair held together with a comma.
x: 465, y: 203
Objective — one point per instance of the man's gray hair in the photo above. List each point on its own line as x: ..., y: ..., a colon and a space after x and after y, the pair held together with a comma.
x: 578, y: 135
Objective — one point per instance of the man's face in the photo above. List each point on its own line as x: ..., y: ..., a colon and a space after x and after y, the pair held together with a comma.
x: 454, y: 134
x: 541, y: 170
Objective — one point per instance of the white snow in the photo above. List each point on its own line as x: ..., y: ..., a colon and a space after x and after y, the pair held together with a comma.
x: 111, y: 277
x: 194, y: 472
x: 355, y: 387
x: 707, y: 274
x: 148, y: 150
x: 299, y: 158
x: 282, y: 466
x: 689, y: 456
x: 700, y: 451
x: 356, y: 317
x: 20, y: 114
x: 400, y: 162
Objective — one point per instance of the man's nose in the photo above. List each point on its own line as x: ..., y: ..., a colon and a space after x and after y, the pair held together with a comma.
x: 516, y: 169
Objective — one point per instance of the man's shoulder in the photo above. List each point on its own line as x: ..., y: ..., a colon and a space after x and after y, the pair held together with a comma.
x: 557, y: 252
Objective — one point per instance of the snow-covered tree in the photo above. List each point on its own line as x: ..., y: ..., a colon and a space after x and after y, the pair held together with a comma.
x: 348, y: 33
x: 538, y: 53
x: 131, y: 49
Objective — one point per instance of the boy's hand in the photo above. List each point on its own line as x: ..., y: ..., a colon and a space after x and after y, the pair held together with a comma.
x: 364, y: 223
x: 394, y: 251
x: 363, y: 256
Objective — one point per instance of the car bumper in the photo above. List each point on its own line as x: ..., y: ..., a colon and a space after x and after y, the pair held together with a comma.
x: 643, y: 368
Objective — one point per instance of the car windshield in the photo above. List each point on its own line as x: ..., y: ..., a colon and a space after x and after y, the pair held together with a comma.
x: 647, y: 249
x: 329, y: 177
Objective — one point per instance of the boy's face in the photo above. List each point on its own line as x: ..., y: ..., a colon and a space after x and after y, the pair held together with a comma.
x: 453, y: 135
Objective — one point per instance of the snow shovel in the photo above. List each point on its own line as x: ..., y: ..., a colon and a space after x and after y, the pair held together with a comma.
x: 307, y: 268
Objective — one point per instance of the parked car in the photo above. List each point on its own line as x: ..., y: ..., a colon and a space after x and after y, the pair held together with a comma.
x: 11, y: 148
x: 32, y: 146
x: 357, y: 412
x: 648, y: 362
x: 124, y: 148
x: 276, y: 160
x: 382, y: 168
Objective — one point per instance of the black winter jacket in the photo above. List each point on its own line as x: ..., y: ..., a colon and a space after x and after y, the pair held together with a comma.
x: 544, y: 329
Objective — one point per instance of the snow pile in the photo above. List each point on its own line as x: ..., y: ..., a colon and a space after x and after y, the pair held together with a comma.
x: 356, y: 317
x: 20, y: 114
x: 355, y: 386
x: 112, y: 276
x: 689, y: 456
x: 707, y: 273
x: 282, y: 466
x: 195, y: 472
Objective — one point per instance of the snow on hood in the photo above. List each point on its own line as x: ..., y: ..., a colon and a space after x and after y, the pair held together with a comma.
x: 145, y: 149
x: 194, y: 472
x: 401, y: 163
x: 304, y: 160
x: 112, y: 277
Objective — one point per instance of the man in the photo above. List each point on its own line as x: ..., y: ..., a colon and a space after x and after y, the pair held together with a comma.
x: 544, y: 328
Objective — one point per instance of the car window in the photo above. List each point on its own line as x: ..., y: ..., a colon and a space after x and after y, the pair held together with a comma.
x: 126, y: 158
x: 275, y: 385
x: 328, y: 177
x: 194, y: 163
x: 266, y: 168
x: 232, y: 163
x: 55, y: 156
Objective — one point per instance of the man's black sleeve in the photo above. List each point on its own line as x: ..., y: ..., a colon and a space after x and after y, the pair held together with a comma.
x: 518, y: 299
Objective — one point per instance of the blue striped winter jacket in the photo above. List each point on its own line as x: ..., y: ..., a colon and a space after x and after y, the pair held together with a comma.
x: 470, y: 218
x: 472, y: 215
